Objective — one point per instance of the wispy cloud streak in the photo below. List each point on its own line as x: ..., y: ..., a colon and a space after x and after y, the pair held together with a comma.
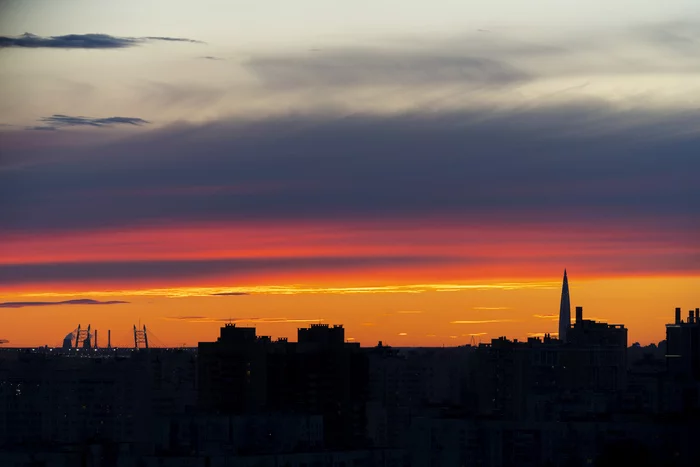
x: 481, y: 321
x: 229, y: 294
x: 84, y: 301
x: 82, y: 41
x: 209, y: 319
x: 299, y: 290
x: 59, y: 121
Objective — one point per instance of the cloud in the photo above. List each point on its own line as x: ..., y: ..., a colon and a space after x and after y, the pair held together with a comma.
x: 678, y: 36
x: 552, y: 317
x: 210, y: 57
x: 229, y: 294
x: 482, y: 321
x: 82, y: 41
x: 484, y: 308
x: 475, y: 176
x: 173, y: 39
x: 364, y: 67
x: 409, y: 312
x: 61, y: 121
x: 186, y: 318
x: 173, y: 270
x: 481, y: 62
x: 183, y: 292
x: 178, y: 96
x: 84, y: 301
x: 4, y: 341
x: 42, y: 128
x: 209, y: 319
x: 460, y: 165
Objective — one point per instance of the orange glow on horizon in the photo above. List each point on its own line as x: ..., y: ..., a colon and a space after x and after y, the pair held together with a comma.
x: 437, y: 318
x: 436, y: 283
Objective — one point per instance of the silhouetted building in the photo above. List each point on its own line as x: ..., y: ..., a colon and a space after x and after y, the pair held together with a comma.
x: 49, y: 399
x: 547, y: 379
x: 597, y: 355
x: 320, y: 374
x: 322, y: 335
x: 331, y: 379
x: 246, y: 400
x: 512, y: 380
x: 232, y: 372
x: 683, y: 363
x: 683, y: 346
x: 564, y: 310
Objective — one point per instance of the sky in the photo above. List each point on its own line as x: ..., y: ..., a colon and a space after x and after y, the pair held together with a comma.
x: 421, y: 172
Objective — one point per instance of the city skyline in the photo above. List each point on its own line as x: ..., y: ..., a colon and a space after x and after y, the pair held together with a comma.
x: 483, y: 323
x: 249, y: 399
x: 420, y: 173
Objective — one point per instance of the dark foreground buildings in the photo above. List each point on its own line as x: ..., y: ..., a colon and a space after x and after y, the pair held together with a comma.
x: 246, y: 400
x: 319, y: 375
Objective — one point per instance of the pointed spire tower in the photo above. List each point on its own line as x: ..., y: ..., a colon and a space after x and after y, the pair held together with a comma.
x: 564, y: 309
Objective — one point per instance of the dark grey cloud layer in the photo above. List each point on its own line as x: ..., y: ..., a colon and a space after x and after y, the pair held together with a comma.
x: 82, y: 41
x: 580, y: 163
x: 81, y: 301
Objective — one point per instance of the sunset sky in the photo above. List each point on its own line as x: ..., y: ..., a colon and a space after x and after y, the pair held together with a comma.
x: 421, y: 172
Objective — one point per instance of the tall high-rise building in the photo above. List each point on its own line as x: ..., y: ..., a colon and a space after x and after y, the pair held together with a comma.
x: 564, y: 309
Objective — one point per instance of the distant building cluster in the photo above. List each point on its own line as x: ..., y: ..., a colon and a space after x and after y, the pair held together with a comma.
x: 584, y: 398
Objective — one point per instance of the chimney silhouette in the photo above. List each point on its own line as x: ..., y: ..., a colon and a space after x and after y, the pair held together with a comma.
x: 678, y: 315
x: 579, y: 314
x: 690, y: 316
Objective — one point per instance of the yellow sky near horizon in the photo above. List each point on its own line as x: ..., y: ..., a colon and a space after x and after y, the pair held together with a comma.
x: 429, y: 318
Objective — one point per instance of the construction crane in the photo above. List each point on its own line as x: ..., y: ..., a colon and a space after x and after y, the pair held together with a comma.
x: 140, y: 338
